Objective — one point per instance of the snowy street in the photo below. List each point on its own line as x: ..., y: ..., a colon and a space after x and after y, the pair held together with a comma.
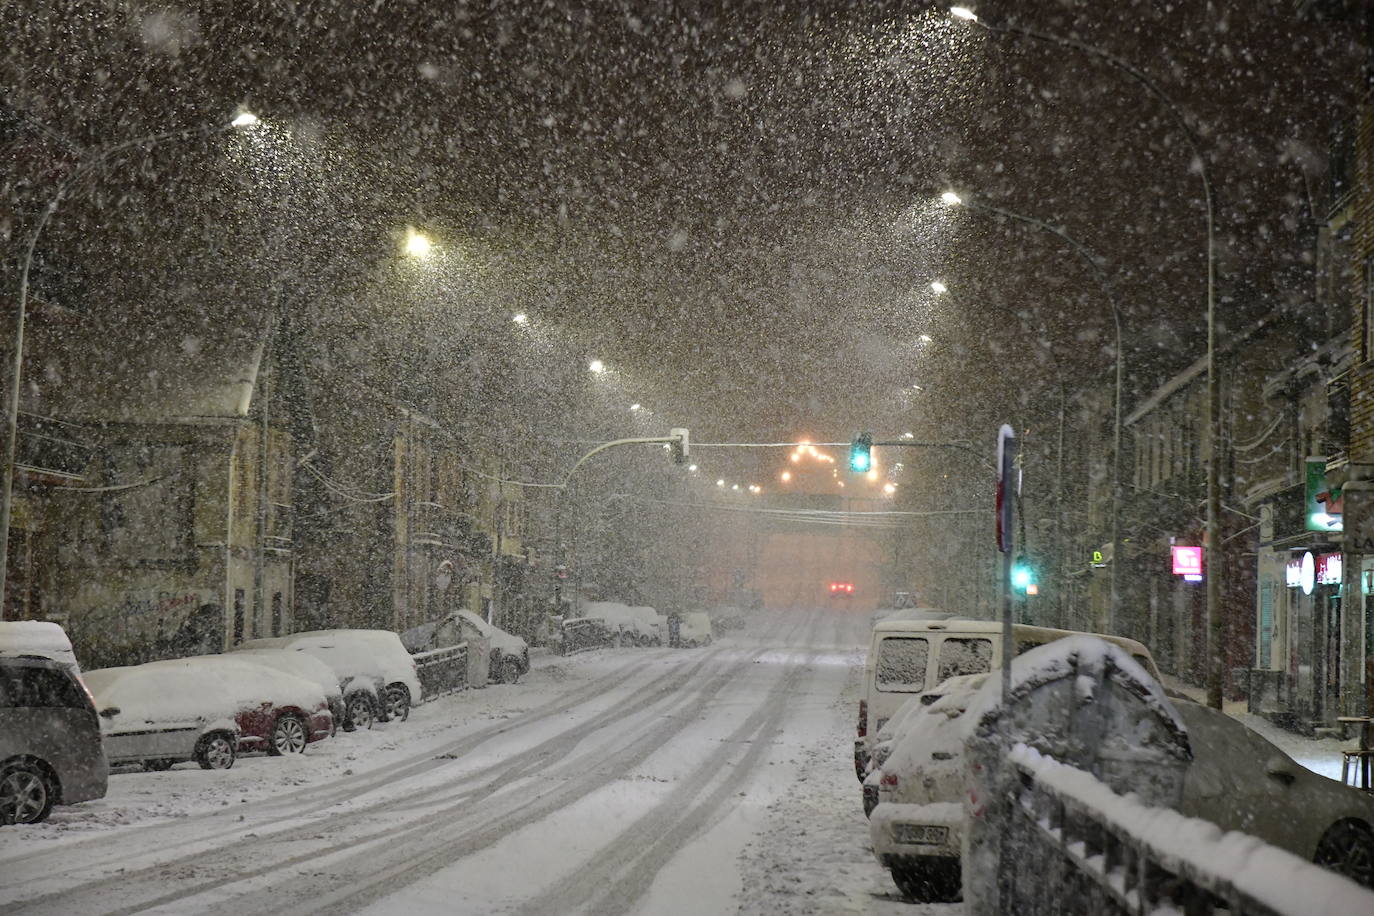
x: 664, y: 781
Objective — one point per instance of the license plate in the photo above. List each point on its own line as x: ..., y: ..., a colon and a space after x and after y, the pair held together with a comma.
x: 919, y: 834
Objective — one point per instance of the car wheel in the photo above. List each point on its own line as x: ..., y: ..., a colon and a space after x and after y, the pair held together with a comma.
x: 215, y: 751
x: 26, y: 795
x: 510, y: 670
x: 397, y: 703
x: 929, y: 881
x: 158, y: 764
x: 359, y: 713
x: 1347, y: 848
x: 288, y: 736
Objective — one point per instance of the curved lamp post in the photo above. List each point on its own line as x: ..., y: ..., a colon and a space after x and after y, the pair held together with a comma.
x: 1215, y: 624
x: 16, y: 373
x: 1109, y: 293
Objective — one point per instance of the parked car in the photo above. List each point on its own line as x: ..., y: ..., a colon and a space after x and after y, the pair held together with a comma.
x: 695, y: 629
x: 303, y: 665
x: 1236, y: 779
x: 38, y: 637
x: 509, y: 655
x: 277, y: 711
x: 205, y: 709
x: 911, y: 652
x: 636, y: 626
x: 50, y: 748
x: 1240, y: 781
x: 157, y: 716
x: 376, y: 674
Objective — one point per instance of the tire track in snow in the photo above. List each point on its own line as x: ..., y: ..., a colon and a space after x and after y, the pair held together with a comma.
x: 189, y: 866
x: 628, y: 866
x: 320, y: 797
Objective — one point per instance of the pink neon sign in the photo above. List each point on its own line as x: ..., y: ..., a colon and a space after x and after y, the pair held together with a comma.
x: 1187, y: 561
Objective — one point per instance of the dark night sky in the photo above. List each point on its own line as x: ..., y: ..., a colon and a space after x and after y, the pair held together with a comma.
x: 733, y: 202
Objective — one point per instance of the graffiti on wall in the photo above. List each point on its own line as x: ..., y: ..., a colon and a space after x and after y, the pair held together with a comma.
x: 148, y: 624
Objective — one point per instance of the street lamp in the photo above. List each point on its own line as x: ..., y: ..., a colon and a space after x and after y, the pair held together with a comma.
x: 16, y: 373
x: 521, y: 318
x: 939, y: 288
x: 417, y: 244
x: 596, y: 366
x: 1107, y: 291
x: 1215, y: 625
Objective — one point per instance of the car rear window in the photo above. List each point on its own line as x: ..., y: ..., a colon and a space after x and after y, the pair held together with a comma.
x: 902, y: 663
x: 38, y: 687
x: 959, y: 655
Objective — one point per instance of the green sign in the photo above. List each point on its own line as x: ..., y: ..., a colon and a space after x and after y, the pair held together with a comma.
x: 1324, y: 505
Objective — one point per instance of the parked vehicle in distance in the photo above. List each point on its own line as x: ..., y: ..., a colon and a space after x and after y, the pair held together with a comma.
x: 376, y: 674
x: 695, y: 629
x: 636, y: 626
x: 912, y: 651
x: 159, y: 715
x: 38, y: 637
x: 303, y: 665
x: 50, y: 747
x: 509, y: 655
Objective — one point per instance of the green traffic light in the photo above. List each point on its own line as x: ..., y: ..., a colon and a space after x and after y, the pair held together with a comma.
x: 861, y: 453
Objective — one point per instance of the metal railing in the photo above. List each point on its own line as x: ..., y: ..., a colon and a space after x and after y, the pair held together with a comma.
x: 442, y: 670
x: 1083, y: 849
x: 583, y: 633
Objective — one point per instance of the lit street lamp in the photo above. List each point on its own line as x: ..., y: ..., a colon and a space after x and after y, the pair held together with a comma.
x: 16, y: 373
x: 1215, y: 624
x: 949, y: 197
x: 417, y: 245
x: 596, y: 366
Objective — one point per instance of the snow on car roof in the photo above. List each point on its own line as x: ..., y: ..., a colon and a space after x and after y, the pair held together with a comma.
x: 300, y: 664
x: 1092, y: 659
x: 37, y: 637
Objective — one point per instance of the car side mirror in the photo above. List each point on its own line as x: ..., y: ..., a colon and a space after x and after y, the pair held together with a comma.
x: 1280, y: 770
x: 109, y: 712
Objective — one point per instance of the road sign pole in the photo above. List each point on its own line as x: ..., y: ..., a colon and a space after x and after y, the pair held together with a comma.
x: 1008, y: 486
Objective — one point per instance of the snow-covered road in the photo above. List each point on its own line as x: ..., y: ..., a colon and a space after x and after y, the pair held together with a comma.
x: 714, y: 780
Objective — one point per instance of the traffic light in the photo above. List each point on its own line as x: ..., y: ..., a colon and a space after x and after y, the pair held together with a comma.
x: 1023, y: 577
x: 861, y: 453
x: 681, y: 447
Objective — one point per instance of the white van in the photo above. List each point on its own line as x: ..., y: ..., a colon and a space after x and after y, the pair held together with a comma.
x: 911, y: 656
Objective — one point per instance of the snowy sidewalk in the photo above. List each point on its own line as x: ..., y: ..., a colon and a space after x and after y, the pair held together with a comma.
x: 1320, y: 755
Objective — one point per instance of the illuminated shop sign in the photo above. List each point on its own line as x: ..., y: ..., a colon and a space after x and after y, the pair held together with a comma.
x: 1188, y: 563
x: 1307, y: 571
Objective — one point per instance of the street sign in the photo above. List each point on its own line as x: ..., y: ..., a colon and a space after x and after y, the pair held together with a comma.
x: 1007, y: 486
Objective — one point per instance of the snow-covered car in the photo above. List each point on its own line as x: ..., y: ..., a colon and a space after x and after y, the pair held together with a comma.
x: 50, y: 750
x: 916, y: 825
x: 695, y: 629
x: 300, y: 664
x: 206, y: 709
x: 1236, y: 779
x: 636, y: 626
x: 376, y: 674
x: 893, y: 729
x: 158, y: 716
x: 510, y: 655
x: 37, y: 637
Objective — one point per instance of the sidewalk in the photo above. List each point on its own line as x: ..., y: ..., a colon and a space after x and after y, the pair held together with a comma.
x: 1320, y: 755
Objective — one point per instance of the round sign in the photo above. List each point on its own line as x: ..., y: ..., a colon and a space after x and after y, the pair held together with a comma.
x: 1307, y: 575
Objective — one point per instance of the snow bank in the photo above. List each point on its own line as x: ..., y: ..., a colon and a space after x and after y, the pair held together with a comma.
x: 1184, y: 845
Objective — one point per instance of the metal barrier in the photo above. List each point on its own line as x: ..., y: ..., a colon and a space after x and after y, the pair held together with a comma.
x: 1080, y: 848
x: 442, y: 670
